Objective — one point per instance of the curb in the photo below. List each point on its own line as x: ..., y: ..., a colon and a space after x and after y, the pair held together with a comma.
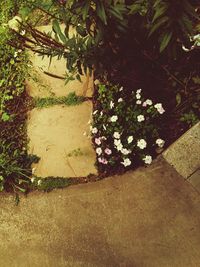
x: 184, y: 155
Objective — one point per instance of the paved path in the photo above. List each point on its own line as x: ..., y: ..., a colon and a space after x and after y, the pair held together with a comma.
x: 58, y: 131
x: 145, y: 218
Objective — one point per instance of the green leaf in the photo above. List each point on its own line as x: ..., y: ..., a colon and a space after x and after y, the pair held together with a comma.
x: 85, y: 10
x: 24, y: 12
x: 159, y: 12
x: 5, y: 117
x: 57, y: 30
x: 101, y: 12
x: 165, y: 41
x: 115, y: 13
x: 178, y: 99
x: 158, y: 24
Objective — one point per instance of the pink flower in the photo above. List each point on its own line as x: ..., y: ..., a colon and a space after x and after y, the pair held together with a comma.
x: 97, y: 141
x: 144, y: 104
x: 102, y: 160
x: 108, y: 151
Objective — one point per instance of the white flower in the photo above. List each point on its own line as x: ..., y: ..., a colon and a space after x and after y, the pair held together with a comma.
x: 159, y: 108
x: 130, y: 139
x: 15, y: 54
x: 95, y: 112
x: 103, y: 138
x: 119, y: 147
x: 121, y: 88
x: 98, y: 150
x: 120, y: 100
x: 125, y: 151
x: 138, y: 96
x: 116, y: 135
x: 33, y: 170
x: 23, y: 32
x: 114, y: 118
x: 117, y: 142
x: 138, y: 91
x: 112, y: 104
x: 32, y: 180
x: 149, y: 102
x: 160, y: 142
x: 140, y: 118
x: 39, y: 182
x: 101, y: 113
x: 141, y: 143
x: 138, y: 102
x: 147, y: 159
x: 104, y: 127
x: 126, y: 162
x: 94, y: 130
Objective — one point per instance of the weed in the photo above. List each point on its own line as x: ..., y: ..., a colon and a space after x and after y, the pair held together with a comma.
x: 75, y: 153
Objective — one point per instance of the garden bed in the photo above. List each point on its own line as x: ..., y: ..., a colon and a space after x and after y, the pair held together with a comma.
x: 148, y: 89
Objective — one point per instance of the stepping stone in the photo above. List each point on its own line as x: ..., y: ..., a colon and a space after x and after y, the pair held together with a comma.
x: 55, y: 133
x: 43, y: 85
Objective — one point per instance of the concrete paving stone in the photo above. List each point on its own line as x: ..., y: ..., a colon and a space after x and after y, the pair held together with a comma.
x: 42, y: 85
x: 194, y: 179
x: 146, y: 218
x: 184, y: 154
x: 57, y: 131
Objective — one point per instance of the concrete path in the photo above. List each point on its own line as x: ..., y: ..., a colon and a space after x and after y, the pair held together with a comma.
x: 146, y: 218
x: 58, y: 131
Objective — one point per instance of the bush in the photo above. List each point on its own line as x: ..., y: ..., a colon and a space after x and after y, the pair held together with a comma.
x: 125, y: 129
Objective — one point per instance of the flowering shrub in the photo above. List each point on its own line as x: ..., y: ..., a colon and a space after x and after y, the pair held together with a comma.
x: 125, y: 128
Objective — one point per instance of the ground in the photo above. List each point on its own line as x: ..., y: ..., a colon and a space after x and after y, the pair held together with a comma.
x: 148, y: 217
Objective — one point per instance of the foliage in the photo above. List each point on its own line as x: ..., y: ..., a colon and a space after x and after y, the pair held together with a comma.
x: 134, y: 43
x: 70, y: 100
x: 125, y: 128
x: 190, y: 118
x: 15, y: 163
x: 49, y: 183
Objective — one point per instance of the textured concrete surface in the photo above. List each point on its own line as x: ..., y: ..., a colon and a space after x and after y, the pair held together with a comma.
x: 194, y: 179
x: 58, y: 131
x: 184, y: 154
x: 146, y: 218
x: 43, y: 85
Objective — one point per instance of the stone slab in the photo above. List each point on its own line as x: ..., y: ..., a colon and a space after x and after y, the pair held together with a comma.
x: 146, y: 218
x: 57, y: 131
x: 184, y: 154
x: 42, y: 85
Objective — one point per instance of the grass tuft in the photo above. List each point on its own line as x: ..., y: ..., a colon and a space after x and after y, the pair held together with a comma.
x: 49, y: 183
x: 70, y: 100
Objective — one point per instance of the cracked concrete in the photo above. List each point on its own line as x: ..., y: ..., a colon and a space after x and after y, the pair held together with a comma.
x: 145, y: 218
